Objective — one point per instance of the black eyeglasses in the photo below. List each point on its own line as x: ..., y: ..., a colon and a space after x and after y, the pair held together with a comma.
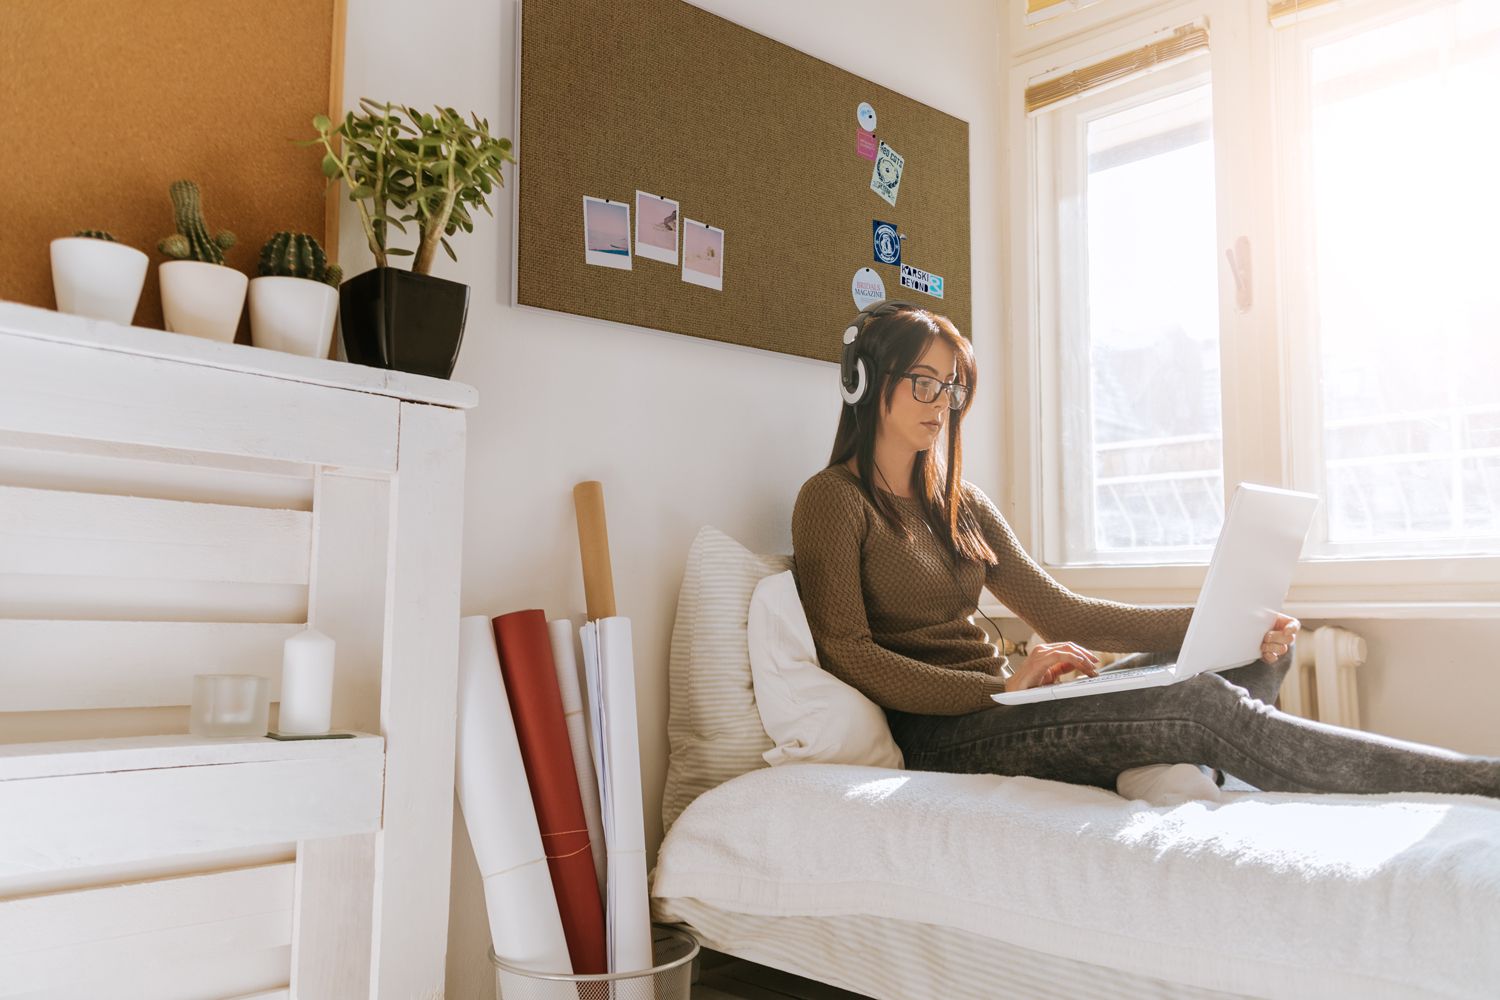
x: 926, y: 389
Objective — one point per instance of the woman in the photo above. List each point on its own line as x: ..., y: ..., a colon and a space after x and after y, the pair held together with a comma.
x: 891, y: 548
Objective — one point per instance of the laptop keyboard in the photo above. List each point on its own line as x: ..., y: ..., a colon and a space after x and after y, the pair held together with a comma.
x: 1127, y: 672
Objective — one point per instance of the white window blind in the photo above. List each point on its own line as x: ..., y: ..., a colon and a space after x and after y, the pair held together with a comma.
x: 1185, y: 42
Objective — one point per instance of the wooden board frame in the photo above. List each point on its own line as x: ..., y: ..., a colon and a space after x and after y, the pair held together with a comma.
x: 749, y: 135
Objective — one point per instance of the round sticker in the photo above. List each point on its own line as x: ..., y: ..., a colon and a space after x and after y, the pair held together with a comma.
x: 887, y: 243
x: 866, y: 116
x: 868, y: 288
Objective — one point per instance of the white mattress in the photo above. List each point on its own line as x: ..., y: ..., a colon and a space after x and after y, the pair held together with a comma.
x: 902, y: 960
x: 1262, y: 894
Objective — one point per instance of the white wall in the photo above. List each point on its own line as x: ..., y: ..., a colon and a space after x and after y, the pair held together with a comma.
x: 1431, y: 681
x: 682, y: 432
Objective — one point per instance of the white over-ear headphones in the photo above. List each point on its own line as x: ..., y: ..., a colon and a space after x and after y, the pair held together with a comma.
x: 854, y: 376
x: 862, y: 382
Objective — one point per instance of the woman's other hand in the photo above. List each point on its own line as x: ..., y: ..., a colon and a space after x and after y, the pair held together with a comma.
x: 1277, y: 641
x: 1048, y: 661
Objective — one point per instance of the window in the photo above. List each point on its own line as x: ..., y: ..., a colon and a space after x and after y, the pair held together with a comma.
x: 1140, y: 457
x: 1391, y: 219
x: 1259, y: 242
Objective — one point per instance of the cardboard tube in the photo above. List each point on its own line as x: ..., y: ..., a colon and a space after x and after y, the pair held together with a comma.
x: 593, y: 549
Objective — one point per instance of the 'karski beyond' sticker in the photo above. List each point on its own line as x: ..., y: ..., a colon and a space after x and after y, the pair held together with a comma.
x: 915, y: 277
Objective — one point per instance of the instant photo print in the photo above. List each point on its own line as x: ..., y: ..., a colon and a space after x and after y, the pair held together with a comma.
x: 703, y: 255
x: 606, y: 233
x: 656, y: 228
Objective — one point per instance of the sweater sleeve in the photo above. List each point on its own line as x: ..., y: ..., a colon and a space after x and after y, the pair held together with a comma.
x: 829, y: 522
x: 1057, y: 613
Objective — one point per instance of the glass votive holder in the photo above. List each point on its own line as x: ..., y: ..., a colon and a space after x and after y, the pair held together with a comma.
x: 230, y: 705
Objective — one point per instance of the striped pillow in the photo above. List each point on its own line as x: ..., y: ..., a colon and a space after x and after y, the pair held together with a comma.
x: 714, y: 731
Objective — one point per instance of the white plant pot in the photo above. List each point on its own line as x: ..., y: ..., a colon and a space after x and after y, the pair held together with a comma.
x: 97, y: 278
x: 201, y: 299
x: 294, y: 315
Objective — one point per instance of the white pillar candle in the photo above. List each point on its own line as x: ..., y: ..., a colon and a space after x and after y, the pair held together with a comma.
x: 306, y: 684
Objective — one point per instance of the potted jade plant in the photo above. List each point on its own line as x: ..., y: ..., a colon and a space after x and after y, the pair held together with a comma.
x: 295, y: 298
x: 93, y: 274
x: 402, y: 165
x: 200, y: 295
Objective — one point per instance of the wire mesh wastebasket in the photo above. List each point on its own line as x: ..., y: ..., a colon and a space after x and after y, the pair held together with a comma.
x: 670, y: 978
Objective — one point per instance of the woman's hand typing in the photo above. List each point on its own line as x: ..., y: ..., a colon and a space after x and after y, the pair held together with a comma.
x: 1048, y: 661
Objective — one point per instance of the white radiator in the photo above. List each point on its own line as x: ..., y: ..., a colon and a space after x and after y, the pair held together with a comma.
x: 1322, y: 682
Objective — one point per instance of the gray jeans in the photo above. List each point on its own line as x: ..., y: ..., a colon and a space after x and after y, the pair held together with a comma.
x: 1223, y: 720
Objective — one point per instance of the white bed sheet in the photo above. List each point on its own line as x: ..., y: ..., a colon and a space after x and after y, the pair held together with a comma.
x: 1263, y: 894
x: 904, y: 960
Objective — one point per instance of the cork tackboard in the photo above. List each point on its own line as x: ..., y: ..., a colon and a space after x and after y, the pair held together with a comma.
x: 117, y: 99
x: 748, y: 135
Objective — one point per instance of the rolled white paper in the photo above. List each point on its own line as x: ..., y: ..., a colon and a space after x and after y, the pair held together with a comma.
x: 525, y: 928
x: 306, y: 684
x: 609, y: 665
x: 565, y: 659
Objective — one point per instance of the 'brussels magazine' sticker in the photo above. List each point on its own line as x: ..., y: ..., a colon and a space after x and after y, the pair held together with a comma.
x: 864, y: 145
x: 915, y: 277
x: 868, y: 288
x: 886, y: 180
x: 887, y: 243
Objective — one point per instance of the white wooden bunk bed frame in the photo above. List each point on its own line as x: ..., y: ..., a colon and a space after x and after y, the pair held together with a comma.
x: 172, y: 506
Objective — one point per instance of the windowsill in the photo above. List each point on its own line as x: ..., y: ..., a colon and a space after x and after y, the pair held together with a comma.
x: 1450, y: 588
x: 1357, y: 610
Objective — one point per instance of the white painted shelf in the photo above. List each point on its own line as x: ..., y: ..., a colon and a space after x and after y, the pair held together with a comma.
x: 48, y: 324
x: 60, y: 758
x: 171, y: 505
x: 180, y: 794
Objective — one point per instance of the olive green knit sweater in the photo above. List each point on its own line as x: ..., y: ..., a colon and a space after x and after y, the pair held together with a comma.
x: 893, y: 617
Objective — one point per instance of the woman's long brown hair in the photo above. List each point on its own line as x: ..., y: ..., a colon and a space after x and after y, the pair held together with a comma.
x: 890, y: 342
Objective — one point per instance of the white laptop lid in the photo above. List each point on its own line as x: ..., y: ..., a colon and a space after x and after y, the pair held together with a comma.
x: 1248, y: 577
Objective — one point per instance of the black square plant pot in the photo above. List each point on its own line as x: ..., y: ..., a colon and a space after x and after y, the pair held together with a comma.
x: 395, y: 319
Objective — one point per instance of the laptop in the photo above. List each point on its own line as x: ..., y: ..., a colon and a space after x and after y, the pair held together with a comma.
x: 1247, y: 581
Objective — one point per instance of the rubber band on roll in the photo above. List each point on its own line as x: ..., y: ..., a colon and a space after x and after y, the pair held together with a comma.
x: 554, y: 857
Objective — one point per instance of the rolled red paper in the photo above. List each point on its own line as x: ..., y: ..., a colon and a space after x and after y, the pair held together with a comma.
x: 547, y: 754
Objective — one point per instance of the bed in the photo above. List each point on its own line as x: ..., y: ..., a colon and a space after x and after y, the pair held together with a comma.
x: 908, y: 885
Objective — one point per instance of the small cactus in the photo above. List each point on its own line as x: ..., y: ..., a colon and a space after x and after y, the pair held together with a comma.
x: 298, y: 255
x: 95, y: 234
x: 191, y: 241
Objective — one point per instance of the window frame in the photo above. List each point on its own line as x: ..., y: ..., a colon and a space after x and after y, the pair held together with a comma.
x: 1259, y: 361
x: 1291, y: 45
x: 1068, y: 415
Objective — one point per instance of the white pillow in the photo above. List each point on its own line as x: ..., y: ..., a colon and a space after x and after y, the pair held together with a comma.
x: 713, y: 730
x: 811, y: 715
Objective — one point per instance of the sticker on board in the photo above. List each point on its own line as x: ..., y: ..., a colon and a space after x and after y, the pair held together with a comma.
x: 864, y: 145
x: 887, y: 243
x: 606, y: 233
x: 868, y: 288
x: 866, y: 116
x: 886, y: 178
x: 655, y: 228
x: 702, y: 255
x: 922, y: 281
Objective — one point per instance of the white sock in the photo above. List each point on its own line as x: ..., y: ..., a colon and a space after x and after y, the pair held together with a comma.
x: 1167, y: 784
